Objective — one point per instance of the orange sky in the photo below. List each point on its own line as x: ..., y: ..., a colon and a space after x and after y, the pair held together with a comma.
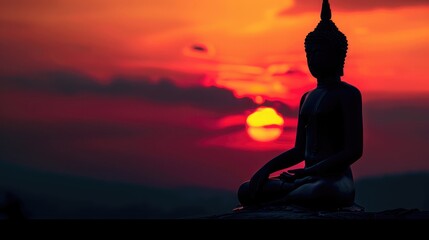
x: 251, y: 45
x: 157, y: 129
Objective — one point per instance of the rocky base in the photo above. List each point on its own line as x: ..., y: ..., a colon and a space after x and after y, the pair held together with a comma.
x: 355, y: 212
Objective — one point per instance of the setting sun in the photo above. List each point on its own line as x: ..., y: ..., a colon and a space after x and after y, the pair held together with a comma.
x: 265, y: 124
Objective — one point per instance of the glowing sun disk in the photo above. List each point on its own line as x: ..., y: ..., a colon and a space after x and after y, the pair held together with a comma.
x: 264, y: 116
x: 264, y: 125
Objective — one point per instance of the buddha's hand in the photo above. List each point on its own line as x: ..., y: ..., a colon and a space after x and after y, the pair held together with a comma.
x: 299, y: 173
x: 287, y: 177
x: 257, y: 182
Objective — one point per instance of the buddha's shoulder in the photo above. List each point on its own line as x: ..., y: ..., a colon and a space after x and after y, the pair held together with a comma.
x: 349, y: 89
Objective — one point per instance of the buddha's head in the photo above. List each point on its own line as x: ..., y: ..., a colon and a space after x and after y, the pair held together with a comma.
x: 326, y: 47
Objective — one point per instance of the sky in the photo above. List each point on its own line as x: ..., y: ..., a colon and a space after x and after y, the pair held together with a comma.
x: 160, y: 92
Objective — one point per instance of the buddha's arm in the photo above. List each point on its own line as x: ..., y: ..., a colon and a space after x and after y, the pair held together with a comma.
x: 294, y: 155
x: 287, y: 159
x: 284, y: 160
x: 351, y: 106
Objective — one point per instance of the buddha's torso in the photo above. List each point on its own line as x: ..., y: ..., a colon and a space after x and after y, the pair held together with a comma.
x: 324, y: 122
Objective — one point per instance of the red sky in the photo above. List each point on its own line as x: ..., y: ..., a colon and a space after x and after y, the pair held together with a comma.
x: 64, y: 109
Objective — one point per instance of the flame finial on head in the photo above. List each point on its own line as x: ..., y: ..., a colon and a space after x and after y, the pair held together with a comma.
x: 327, y: 35
x: 326, y: 11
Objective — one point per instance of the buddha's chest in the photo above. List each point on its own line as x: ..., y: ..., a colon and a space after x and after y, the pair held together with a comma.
x: 323, y: 106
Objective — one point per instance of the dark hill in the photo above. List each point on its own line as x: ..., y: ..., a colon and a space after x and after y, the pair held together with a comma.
x: 48, y: 195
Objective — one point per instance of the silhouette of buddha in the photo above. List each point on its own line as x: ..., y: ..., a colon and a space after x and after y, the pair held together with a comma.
x: 329, y: 134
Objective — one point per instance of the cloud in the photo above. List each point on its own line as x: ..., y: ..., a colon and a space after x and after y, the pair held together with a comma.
x: 350, y: 5
x: 162, y: 153
x: 104, y: 137
x: 162, y: 91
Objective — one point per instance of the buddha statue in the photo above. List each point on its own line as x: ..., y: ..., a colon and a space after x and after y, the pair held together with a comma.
x: 329, y: 136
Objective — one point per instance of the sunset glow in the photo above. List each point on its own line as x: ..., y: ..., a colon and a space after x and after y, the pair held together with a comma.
x: 264, y: 116
x: 201, y: 91
x: 264, y: 134
x: 265, y: 124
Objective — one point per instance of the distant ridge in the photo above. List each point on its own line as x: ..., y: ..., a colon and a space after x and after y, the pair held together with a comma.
x: 52, y: 196
x: 405, y: 190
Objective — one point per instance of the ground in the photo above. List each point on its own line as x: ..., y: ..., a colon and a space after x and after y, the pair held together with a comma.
x: 295, y: 212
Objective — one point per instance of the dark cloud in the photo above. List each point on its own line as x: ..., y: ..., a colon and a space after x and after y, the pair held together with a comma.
x: 199, y: 47
x: 291, y: 73
x: 350, y: 5
x: 162, y: 91
x: 149, y: 153
x: 164, y: 152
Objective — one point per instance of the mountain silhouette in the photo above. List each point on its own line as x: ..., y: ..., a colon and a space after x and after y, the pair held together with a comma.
x: 46, y: 195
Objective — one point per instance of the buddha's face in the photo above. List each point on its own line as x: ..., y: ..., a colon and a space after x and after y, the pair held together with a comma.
x: 322, y: 61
